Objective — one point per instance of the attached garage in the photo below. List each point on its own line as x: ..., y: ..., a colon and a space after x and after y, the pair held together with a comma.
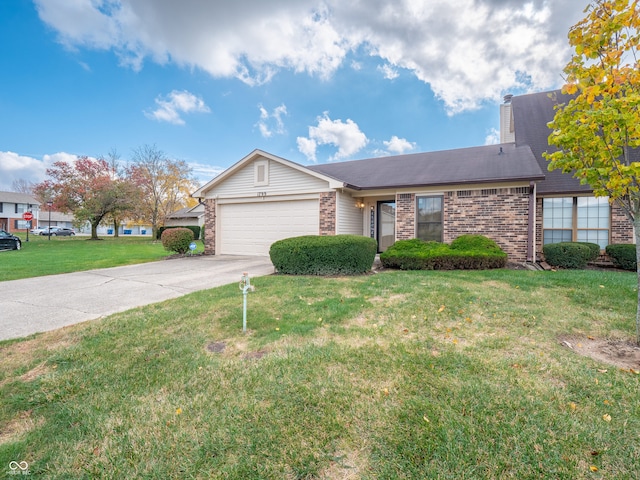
x: 251, y: 228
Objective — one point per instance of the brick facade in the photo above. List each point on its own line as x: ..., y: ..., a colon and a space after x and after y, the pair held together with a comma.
x: 210, y: 226
x: 327, y: 213
x: 500, y: 214
x: 405, y: 216
x: 621, y: 226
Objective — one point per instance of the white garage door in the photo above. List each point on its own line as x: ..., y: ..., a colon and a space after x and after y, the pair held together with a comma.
x: 251, y: 228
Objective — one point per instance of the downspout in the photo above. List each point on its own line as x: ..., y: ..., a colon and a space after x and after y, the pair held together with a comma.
x: 531, y: 239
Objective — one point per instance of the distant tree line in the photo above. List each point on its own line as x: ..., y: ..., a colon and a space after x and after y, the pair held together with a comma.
x: 106, y: 190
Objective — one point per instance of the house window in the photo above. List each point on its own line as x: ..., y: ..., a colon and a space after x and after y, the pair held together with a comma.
x: 576, y: 219
x: 261, y: 173
x: 21, y: 207
x: 429, y: 218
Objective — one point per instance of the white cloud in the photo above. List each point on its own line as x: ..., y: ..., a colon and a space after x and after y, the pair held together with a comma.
x: 21, y: 167
x: 308, y: 147
x: 274, y: 119
x: 204, y: 173
x: 175, y: 104
x: 493, y: 137
x: 346, y: 136
x: 388, y: 71
x: 399, y: 145
x: 468, y: 51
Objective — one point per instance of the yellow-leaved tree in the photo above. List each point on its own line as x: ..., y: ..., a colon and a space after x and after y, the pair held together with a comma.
x: 598, y: 131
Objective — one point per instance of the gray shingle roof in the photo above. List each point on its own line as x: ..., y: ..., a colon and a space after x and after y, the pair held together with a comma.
x: 493, y: 163
x: 531, y: 114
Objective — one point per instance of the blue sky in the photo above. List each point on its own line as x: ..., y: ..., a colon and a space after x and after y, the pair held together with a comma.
x: 312, y: 81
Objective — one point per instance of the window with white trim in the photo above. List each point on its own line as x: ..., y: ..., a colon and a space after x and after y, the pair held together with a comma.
x: 261, y: 173
x: 576, y: 219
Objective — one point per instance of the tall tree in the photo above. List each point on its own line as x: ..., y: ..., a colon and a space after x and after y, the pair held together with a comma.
x: 87, y: 188
x: 598, y: 130
x: 119, y: 174
x: 165, y: 184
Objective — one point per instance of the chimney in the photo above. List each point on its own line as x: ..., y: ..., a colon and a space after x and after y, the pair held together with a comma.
x: 507, y: 133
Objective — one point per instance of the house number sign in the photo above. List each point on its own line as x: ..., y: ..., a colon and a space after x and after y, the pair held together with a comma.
x: 262, y: 194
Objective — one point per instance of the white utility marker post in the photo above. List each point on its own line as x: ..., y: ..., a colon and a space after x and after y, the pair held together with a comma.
x: 246, y: 287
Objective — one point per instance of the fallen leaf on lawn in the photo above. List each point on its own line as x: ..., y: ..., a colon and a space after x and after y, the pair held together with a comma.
x: 413, y: 317
x: 601, y: 286
x: 385, y: 391
x: 572, y: 405
x: 320, y: 319
x: 591, y: 338
x: 636, y: 372
x: 595, y: 453
x: 593, y: 468
x: 517, y: 286
x: 455, y: 341
x: 606, y: 417
x: 178, y: 411
x: 597, y: 382
x: 441, y: 308
x: 607, y: 402
x: 468, y: 320
x: 602, y: 370
x: 425, y: 418
x: 277, y: 328
x: 405, y: 330
x: 96, y: 451
x: 579, y: 345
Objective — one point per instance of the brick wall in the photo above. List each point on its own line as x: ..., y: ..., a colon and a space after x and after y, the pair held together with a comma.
x: 621, y: 226
x: 327, y: 213
x: 405, y: 216
x: 210, y: 226
x: 500, y: 214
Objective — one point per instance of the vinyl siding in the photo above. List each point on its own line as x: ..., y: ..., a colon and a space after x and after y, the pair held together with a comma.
x: 349, y: 217
x: 281, y: 180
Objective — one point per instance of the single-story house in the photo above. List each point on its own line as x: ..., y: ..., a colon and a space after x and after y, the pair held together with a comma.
x: 502, y: 191
x: 186, y: 217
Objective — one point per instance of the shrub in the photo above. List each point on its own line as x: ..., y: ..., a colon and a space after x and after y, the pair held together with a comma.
x: 594, y: 250
x: 194, y: 228
x: 467, y: 252
x: 623, y: 255
x: 177, y: 239
x: 323, y: 255
x: 567, y: 254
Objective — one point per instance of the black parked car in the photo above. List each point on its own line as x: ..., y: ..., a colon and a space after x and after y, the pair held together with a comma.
x: 9, y: 242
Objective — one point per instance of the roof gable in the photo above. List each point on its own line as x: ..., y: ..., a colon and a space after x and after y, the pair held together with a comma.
x: 256, y: 155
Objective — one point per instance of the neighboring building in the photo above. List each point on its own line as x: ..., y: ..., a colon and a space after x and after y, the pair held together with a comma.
x: 502, y: 191
x: 12, y: 206
x: 186, y: 217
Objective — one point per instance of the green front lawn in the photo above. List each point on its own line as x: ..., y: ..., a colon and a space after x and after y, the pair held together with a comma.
x: 41, y: 256
x: 415, y: 375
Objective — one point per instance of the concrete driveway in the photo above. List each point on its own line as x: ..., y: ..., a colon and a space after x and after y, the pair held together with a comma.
x: 47, y: 303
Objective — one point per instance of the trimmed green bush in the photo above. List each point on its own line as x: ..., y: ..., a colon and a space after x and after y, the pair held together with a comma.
x: 194, y: 228
x: 177, y: 239
x: 323, y: 255
x: 594, y: 250
x: 567, y: 254
x: 623, y: 255
x: 467, y: 252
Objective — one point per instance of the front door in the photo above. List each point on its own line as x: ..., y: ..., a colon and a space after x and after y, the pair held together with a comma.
x: 386, y: 224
